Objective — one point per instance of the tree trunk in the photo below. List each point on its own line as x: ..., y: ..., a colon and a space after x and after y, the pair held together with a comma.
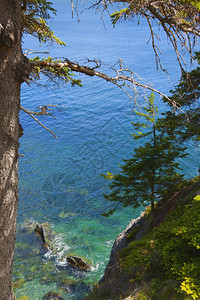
x: 153, y: 163
x: 10, y: 57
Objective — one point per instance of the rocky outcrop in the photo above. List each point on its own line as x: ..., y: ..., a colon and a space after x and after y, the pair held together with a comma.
x: 115, y: 279
x: 122, y: 241
x: 43, y: 231
x: 48, y: 238
x: 46, y: 234
x: 52, y: 296
x: 78, y: 262
x: 116, y: 282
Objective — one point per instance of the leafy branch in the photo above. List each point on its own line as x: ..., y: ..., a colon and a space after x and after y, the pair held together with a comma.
x: 34, y: 20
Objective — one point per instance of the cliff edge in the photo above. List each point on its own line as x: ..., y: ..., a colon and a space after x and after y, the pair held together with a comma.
x: 158, y: 255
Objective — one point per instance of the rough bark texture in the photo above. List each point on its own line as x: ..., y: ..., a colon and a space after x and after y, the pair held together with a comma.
x: 10, y: 57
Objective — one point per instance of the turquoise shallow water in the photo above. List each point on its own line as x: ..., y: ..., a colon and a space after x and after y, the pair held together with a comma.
x: 59, y: 179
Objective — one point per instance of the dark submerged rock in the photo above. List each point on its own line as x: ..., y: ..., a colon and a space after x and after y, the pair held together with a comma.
x: 52, y: 296
x: 28, y: 226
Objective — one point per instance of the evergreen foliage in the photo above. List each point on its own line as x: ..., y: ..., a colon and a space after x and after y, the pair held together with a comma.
x: 186, y: 122
x: 34, y: 21
x: 179, y: 19
x: 149, y: 174
x: 54, y: 70
x: 169, y: 252
x: 35, y: 17
x: 152, y: 172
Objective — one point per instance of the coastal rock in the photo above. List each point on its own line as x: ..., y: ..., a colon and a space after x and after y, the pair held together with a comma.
x: 52, y: 296
x: 115, y: 279
x: 78, y: 262
x: 74, y: 287
x: 29, y: 226
x: 120, y: 282
x: 48, y: 238
x: 45, y: 232
x: 121, y: 241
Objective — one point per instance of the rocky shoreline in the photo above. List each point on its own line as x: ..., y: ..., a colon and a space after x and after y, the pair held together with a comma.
x: 117, y: 282
x: 114, y: 278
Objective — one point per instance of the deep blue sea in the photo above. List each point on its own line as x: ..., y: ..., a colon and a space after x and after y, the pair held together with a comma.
x: 59, y: 179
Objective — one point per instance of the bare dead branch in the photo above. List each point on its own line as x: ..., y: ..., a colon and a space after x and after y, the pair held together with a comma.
x: 47, y: 108
x: 120, y: 80
x: 31, y: 113
x: 130, y: 297
x: 125, y: 79
x: 44, y: 111
x: 30, y: 51
x: 72, y: 7
x: 179, y: 20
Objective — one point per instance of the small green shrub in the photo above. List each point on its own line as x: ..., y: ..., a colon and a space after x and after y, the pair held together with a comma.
x: 170, y: 251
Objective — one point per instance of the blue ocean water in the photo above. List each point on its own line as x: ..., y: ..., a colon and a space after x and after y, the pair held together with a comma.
x: 59, y: 179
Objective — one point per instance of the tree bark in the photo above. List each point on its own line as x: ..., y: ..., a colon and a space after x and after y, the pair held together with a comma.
x: 10, y: 57
x: 153, y: 163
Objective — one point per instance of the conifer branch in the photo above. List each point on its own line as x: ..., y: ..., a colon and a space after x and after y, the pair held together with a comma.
x: 178, y: 19
x: 121, y: 79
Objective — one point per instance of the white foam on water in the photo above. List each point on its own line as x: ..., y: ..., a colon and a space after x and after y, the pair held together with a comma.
x: 95, y: 268
x: 59, y: 251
